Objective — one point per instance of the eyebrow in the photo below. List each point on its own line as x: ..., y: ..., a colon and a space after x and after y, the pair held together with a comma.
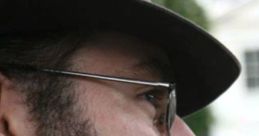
x: 156, y: 66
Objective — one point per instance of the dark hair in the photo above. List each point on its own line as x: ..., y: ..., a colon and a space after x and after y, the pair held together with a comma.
x: 49, y: 98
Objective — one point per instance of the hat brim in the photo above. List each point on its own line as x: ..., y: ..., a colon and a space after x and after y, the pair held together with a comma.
x: 203, y: 67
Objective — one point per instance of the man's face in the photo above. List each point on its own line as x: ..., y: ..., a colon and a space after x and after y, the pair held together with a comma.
x: 112, y: 108
x: 118, y: 109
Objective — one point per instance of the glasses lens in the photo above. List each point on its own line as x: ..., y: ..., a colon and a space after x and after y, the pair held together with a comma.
x: 165, y: 109
x: 171, y: 110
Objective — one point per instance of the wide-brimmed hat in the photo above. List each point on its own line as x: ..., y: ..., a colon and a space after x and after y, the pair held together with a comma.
x: 203, y: 67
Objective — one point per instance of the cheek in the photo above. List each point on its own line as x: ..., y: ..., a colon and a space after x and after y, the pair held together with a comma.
x: 113, y: 114
x: 122, y: 125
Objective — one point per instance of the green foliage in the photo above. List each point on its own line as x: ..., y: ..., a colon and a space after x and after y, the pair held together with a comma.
x: 200, y: 121
x: 187, y: 8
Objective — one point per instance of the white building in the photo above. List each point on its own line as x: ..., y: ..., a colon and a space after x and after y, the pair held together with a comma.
x: 236, y: 24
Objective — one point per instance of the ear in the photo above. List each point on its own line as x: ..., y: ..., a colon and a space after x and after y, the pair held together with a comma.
x: 13, y: 113
x: 5, y: 104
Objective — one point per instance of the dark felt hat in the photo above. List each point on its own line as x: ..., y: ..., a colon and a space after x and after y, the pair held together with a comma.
x: 203, y: 67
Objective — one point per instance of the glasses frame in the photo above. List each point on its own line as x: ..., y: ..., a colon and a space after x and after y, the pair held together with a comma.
x: 171, y: 107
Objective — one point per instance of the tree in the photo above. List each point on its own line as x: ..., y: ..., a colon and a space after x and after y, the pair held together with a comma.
x: 187, y: 8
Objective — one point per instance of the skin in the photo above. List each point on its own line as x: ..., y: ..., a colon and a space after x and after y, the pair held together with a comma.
x: 114, y: 109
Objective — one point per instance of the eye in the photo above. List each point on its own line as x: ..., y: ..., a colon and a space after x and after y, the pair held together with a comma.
x: 151, y: 97
x: 156, y: 97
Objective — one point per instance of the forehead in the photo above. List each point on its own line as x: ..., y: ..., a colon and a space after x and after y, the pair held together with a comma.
x: 115, y: 53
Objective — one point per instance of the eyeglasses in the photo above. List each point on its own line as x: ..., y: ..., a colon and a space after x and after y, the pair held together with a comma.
x: 163, y: 96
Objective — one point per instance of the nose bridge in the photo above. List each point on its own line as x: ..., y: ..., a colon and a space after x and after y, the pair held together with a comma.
x: 179, y: 128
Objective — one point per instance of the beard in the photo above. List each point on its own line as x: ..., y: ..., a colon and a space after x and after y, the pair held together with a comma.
x: 55, y: 111
x: 69, y: 124
x: 67, y: 119
x: 82, y: 128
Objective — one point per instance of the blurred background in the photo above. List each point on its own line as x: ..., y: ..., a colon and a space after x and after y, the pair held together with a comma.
x: 236, y: 24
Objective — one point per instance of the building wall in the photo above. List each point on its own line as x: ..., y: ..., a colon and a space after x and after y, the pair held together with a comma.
x: 237, y: 111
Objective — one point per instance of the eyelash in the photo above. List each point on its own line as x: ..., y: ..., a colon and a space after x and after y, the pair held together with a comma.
x: 151, y: 97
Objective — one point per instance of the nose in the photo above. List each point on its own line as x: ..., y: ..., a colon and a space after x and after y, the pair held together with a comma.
x: 179, y: 128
